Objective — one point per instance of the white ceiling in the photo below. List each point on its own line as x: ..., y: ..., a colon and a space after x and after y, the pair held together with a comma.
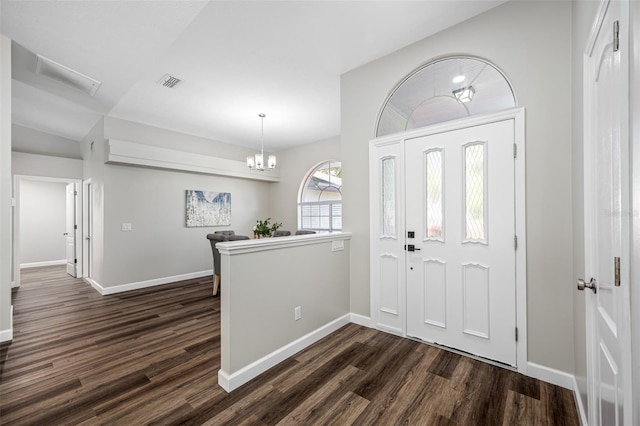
x: 236, y: 59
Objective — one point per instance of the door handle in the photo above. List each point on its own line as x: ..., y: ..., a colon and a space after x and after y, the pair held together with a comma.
x: 87, y: 238
x: 592, y: 284
x: 411, y: 247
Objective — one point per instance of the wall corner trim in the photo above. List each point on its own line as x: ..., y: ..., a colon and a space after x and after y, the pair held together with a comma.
x: 230, y: 382
x: 7, y: 335
x: 137, y: 154
x: 551, y: 375
x: 361, y: 320
x: 581, y: 411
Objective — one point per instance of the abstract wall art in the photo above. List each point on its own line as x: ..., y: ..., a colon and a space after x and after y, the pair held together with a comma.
x: 207, y: 208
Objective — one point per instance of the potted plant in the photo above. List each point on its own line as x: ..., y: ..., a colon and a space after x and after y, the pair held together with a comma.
x: 264, y: 228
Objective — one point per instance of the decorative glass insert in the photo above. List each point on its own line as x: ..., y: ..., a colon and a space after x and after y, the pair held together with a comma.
x: 433, y: 196
x: 475, y: 192
x: 389, y: 197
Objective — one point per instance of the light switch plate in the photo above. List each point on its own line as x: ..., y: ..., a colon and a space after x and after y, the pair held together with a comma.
x: 337, y: 245
x: 126, y: 227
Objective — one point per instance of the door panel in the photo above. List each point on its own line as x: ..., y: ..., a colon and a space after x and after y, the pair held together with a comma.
x: 606, y: 232
x: 461, y: 278
x: 475, y: 300
x: 435, y: 293
x: 390, y: 291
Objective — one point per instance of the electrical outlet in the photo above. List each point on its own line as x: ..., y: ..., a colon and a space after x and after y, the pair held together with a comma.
x: 297, y: 313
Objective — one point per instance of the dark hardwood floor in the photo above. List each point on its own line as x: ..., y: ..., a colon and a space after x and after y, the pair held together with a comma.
x: 152, y: 356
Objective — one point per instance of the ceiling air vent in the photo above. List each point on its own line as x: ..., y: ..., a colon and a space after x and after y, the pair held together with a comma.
x: 169, y: 81
x: 65, y: 75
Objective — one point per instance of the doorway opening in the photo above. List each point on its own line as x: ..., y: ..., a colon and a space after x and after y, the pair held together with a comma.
x: 46, y: 223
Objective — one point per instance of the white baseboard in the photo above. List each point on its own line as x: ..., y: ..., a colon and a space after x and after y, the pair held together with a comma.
x: 576, y: 395
x: 7, y: 335
x: 39, y: 264
x: 229, y: 382
x: 93, y: 283
x: 550, y: 375
x: 144, y: 284
x: 361, y: 320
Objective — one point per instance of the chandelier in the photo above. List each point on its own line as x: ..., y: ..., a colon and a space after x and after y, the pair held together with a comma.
x: 257, y: 161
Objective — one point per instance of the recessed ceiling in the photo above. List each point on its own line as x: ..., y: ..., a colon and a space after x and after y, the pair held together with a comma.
x: 235, y: 59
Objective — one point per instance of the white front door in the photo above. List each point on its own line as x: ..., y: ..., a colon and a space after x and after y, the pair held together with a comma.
x: 606, y: 212
x: 71, y: 229
x: 461, y: 274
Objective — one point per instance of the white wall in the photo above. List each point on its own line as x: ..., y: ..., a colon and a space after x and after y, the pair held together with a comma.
x: 160, y: 244
x: 93, y: 154
x: 6, y: 331
x: 35, y: 142
x: 294, y: 164
x: 42, y: 221
x: 45, y: 166
x: 531, y: 42
x: 262, y: 283
x: 153, y: 201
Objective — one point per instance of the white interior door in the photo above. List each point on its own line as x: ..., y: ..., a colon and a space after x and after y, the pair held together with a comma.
x: 606, y: 223
x: 460, y: 203
x: 71, y: 230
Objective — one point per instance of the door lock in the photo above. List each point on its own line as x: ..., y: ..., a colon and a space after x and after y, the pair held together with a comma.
x: 592, y: 284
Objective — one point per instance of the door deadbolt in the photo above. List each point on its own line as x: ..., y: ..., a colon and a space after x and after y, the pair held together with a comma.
x: 592, y: 284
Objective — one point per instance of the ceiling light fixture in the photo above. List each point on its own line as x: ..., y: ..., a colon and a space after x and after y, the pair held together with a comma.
x: 465, y: 94
x: 257, y: 161
x: 459, y: 79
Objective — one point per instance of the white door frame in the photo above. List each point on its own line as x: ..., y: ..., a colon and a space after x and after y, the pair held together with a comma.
x: 516, y: 114
x: 17, y: 180
x: 634, y: 72
x: 626, y: 214
x: 87, y: 228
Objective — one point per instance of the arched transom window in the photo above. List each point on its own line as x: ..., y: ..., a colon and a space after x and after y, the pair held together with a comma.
x: 445, y: 89
x: 320, y: 198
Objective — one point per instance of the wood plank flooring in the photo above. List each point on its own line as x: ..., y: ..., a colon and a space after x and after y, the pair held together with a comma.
x: 151, y: 357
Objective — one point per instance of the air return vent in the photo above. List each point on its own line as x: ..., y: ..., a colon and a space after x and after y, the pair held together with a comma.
x: 169, y: 81
x: 65, y: 75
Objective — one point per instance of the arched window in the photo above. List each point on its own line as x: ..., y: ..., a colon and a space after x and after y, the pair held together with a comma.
x: 320, y: 198
x: 445, y: 89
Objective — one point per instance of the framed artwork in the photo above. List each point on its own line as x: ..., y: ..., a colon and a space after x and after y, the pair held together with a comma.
x: 206, y: 208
